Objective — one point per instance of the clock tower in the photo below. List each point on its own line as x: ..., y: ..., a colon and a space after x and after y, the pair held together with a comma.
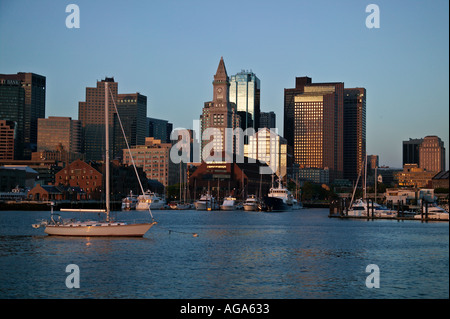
x: 220, y: 113
x: 221, y: 85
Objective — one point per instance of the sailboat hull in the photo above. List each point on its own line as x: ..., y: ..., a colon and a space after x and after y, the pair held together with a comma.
x: 99, y: 230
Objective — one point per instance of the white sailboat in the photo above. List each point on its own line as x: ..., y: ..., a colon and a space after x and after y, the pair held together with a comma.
x: 109, y: 227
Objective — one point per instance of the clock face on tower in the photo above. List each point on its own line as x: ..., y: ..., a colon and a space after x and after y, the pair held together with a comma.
x: 219, y: 93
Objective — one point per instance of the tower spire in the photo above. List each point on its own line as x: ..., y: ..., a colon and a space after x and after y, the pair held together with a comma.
x: 221, y: 74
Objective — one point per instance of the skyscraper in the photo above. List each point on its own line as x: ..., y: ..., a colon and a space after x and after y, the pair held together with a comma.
x: 245, y: 93
x: 22, y: 99
x: 159, y: 129
x: 411, y: 151
x: 132, y: 108
x: 267, y: 120
x: 219, y: 114
x: 432, y: 154
x: 354, y: 131
x: 318, y: 127
x: 289, y: 105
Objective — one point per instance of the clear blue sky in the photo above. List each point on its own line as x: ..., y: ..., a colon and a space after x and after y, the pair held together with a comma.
x: 169, y: 51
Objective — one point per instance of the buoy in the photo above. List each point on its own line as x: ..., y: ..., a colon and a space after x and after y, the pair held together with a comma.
x: 195, y: 235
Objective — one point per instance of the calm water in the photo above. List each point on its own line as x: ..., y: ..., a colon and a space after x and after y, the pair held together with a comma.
x: 302, y: 254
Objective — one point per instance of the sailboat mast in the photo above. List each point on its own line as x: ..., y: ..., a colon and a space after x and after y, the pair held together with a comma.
x: 107, y: 150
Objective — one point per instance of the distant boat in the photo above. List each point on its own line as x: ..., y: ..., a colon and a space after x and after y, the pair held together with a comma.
x: 206, y: 202
x: 434, y: 212
x: 229, y: 203
x: 359, y: 208
x: 129, y: 202
x: 150, y: 200
x: 59, y: 227
x: 251, y: 203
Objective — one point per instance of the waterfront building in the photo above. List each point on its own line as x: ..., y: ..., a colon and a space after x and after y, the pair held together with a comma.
x: 354, y: 140
x: 154, y: 159
x: 159, y: 129
x: 432, y: 154
x: 314, y: 175
x: 7, y: 139
x: 219, y: 114
x: 440, y: 180
x: 270, y: 148
x: 245, y: 91
x: 59, y: 132
x: 414, y: 176
x: 22, y: 99
x: 91, y: 113
x: 268, y: 120
x: 88, y: 176
x: 318, y: 127
x: 229, y: 179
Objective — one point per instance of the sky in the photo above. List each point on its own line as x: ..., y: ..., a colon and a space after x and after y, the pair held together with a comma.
x: 169, y: 51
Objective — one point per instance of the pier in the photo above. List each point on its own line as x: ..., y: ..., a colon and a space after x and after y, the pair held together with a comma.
x: 339, y: 209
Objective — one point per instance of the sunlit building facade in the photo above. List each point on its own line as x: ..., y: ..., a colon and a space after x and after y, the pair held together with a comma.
x: 432, y: 154
x: 245, y: 93
x: 318, y: 127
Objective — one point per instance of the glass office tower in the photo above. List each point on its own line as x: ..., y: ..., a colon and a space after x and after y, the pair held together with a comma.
x: 245, y: 93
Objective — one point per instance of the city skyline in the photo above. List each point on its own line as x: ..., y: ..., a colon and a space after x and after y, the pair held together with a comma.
x: 403, y: 64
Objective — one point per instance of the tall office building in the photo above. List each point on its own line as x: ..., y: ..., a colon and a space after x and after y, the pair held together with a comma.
x: 91, y: 113
x: 318, y: 127
x: 267, y: 120
x: 289, y: 105
x: 354, y: 131
x: 22, y: 99
x: 411, y: 151
x: 220, y: 114
x: 132, y: 110
x: 432, y: 154
x: 245, y: 93
x: 55, y: 132
x: 159, y: 129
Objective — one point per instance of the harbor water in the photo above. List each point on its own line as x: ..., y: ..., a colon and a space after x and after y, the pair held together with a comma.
x: 291, y: 255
